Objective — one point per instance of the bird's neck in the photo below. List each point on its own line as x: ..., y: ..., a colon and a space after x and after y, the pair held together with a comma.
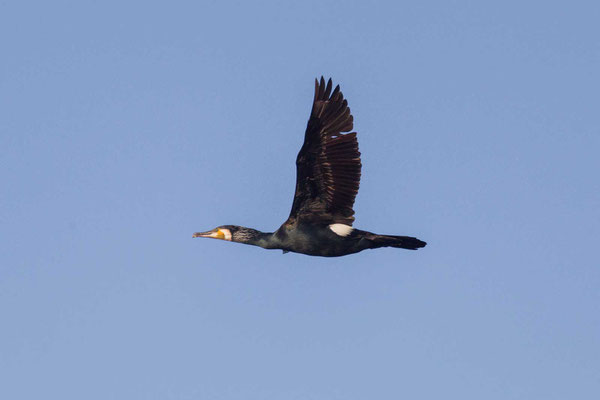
x: 255, y: 238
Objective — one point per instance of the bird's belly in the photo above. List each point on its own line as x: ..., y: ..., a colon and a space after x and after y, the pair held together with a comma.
x: 326, y: 246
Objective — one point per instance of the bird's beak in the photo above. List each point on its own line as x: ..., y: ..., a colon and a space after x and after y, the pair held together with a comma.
x: 215, y: 234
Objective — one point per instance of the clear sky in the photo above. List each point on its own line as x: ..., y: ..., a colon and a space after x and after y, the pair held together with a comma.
x: 127, y: 126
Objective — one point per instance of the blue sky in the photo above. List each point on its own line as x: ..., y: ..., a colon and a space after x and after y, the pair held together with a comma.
x: 127, y: 127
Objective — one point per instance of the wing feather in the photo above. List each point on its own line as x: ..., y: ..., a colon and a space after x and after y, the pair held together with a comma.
x: 328, y: 165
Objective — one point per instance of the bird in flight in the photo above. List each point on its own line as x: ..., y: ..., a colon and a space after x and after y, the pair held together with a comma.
x: 327, y: 180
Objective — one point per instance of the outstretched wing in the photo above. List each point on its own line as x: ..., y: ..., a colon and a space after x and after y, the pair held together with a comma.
x: 328, y: 164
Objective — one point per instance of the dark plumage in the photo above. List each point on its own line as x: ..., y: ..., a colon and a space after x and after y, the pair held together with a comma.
x: 327, y: 180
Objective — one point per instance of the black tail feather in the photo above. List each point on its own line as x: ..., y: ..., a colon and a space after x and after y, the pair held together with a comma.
x: 403, y: 242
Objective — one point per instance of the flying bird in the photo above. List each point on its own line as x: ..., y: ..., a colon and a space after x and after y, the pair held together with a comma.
x: 327, y: 180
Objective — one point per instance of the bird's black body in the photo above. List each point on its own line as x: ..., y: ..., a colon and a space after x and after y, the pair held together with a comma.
x: 328, y: 169
x: 319, y: 240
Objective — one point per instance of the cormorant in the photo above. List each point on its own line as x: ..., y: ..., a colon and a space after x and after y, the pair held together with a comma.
x: 327, y: 179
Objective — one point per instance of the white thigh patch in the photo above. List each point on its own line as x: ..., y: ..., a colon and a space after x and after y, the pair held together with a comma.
x: 341, y: 229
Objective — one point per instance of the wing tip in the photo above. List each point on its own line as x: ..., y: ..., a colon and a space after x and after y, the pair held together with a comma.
x: 324, y: 92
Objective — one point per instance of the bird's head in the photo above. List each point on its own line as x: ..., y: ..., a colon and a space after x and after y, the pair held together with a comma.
x: 224, y: 232
x: 231, y: 233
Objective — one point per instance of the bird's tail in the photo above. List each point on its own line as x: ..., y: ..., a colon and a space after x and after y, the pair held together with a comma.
x: 403, y: 242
